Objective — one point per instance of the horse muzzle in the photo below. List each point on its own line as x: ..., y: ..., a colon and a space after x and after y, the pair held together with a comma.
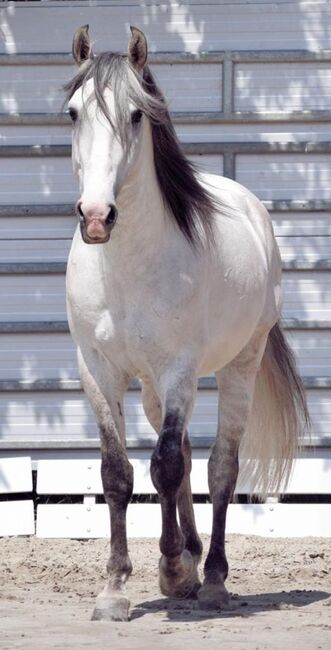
x: 95, y: 226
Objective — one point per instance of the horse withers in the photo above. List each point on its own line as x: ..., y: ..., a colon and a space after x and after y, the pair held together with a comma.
x: 172, y: 275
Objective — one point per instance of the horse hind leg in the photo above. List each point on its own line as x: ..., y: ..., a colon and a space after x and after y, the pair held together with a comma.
x: 178, y: 578
x: 236, y: 387
x: 112, y: 603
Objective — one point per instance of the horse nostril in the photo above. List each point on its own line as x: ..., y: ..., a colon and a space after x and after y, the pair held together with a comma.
x: 80, y: 212
x: 112, y: 214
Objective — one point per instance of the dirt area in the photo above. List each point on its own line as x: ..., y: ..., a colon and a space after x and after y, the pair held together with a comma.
x: 280, y: 598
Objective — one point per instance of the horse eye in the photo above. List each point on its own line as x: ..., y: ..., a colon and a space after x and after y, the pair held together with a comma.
x: 73, y: 114
x: 136, y: 117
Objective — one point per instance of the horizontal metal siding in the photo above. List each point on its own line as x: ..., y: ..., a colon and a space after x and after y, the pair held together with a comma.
x: 38, y: 89
x: 41, y: 180
x: 267, y: 88
x: 299, y: 176
x: 263, y: 87
x: 33, y: 356
x: 42, y: 297
x: 300, y: 236
x: 55, y: 416
x: 189, y: 26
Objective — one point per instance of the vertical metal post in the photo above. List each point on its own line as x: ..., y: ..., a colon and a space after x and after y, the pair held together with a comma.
x: 229, y: 165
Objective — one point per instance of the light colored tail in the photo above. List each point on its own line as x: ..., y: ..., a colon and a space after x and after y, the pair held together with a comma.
x: 279, y: 418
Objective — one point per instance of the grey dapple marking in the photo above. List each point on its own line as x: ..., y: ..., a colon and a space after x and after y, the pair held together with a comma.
x: 182, y: 279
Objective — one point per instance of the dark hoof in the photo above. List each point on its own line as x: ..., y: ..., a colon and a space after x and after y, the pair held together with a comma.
x: 214, y: 597
x: 179, y: 577
x: 111, y: 608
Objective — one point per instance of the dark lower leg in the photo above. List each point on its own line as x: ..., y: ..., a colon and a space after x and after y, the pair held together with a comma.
x: 167, y: 472
x: 222, y: 474
x: 117, y: 479
x: 185, y: 506
x: 178, y: 576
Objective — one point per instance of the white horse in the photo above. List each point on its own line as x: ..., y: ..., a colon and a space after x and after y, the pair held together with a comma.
x: 183, y: 280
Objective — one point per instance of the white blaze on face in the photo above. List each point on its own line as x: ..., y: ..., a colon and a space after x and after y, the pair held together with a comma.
x: 97, y: 152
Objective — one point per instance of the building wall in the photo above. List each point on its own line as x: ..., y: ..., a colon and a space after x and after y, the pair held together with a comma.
x: 249, y: 84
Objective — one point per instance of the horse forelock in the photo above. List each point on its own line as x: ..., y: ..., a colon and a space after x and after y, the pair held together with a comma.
x: 188, y: 202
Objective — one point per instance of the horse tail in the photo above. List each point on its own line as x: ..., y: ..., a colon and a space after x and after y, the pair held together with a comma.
x: 278, y: 419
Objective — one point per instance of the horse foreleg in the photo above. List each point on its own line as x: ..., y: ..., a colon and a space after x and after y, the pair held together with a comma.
x: 236, y: 387
x: 192, y: 542
x: 117, y: 479
x: 169, y: 468
x: 185, y: 506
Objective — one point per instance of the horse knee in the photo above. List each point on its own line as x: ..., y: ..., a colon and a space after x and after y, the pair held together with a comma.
x: 168, y: 463
x: 117, y: 478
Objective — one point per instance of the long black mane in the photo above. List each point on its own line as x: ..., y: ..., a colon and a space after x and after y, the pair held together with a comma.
x: 189, y: 203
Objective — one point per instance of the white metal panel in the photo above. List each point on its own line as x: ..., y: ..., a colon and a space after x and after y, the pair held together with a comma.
x: 312, y: 350
x: 36, y: 239
x: 36, y: 135
x: 66, y: 416
x: 189, y: 26
x: 37, y: 180
x: 268, y: 87
x: 38, y: 89
x: 42, y: 297
x: 52, y: 227
x: 83, y: 476
x: 197, y: 132
x: 309, y: 248
x: 144, y: 520
x: 35, y: 356
x: 291, y: 176
x: 16, y: 518
x: 50, y: 180
x: 15, y: 475
x: 39, y: 245
x: 304, y: 236
x: 33, y: 89
x: 239, y: 132
x: 186, y: 85
x: 213, y: 164
x: 46, y: 416
x: 32, y: 297
x: 37, y: 249
x: 307, y: 295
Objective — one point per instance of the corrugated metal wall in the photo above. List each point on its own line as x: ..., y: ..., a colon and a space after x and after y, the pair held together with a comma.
x: 249, y: 83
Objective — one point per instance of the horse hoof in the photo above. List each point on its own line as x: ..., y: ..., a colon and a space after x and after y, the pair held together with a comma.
x: 212, y: 596
x: 179, y: 578
x: 111, y: 608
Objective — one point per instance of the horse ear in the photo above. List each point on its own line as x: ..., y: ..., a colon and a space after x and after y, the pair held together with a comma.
x: 137, y: 51
x: 81, y: 45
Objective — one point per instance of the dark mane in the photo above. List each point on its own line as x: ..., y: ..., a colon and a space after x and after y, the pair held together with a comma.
x: 189, y: 203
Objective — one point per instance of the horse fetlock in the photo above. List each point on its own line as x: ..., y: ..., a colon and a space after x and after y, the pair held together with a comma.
x: 178, y: 577
x: 119, y: 569
x: 216, y: 565
x: 193, y: 544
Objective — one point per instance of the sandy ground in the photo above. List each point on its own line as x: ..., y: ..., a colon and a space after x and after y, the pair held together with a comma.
x: 280, y: 598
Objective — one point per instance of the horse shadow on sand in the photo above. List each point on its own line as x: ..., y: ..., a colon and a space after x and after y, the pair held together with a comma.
x: 239, y: 606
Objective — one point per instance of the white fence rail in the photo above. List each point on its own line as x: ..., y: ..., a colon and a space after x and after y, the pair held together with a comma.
x: 88, y: 519
x: 16, y: 516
